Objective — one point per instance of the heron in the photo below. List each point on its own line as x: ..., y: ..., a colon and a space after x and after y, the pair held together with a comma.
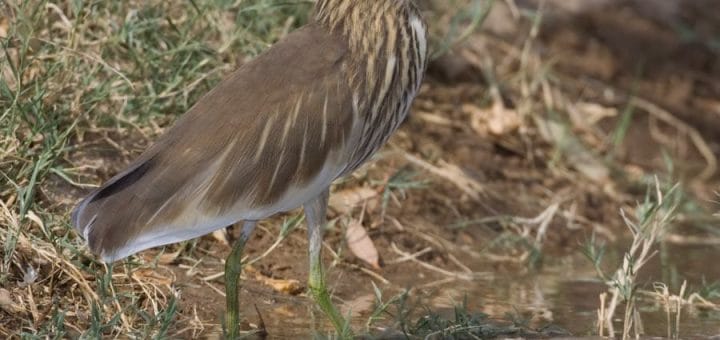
x: 269, y: 138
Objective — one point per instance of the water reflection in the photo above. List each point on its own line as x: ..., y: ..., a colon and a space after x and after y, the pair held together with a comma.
x: 564, y: 293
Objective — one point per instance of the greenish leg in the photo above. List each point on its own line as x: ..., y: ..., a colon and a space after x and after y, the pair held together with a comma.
x: 233, y: 268
x: 315, y: 214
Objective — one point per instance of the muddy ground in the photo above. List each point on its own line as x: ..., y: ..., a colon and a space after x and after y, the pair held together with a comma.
x: 481, y: 165
x: 510, y: 160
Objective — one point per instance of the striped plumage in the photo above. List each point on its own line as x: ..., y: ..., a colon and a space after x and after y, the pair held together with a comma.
x: 271, y: 136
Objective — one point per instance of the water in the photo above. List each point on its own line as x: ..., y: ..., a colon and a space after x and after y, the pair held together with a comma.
x: 564, y: 292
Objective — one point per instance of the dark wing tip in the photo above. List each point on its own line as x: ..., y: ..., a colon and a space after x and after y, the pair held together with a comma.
x: 86, y: 211
x: 122, y: 182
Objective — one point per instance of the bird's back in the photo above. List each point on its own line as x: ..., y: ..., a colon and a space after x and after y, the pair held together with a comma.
x: 267, y: 137
x: 271, y: 136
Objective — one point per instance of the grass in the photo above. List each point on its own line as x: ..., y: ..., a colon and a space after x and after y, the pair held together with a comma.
x: 87, y: 85
x: 415, y: 321
x: 80, y: 74
x: 653, y: 219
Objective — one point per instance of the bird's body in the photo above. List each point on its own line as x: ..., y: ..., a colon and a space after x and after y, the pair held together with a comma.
x: 273, y: 135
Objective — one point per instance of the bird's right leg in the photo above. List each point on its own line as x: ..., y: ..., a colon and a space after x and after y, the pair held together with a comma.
x: 315, y: 214
x: 233, y: 268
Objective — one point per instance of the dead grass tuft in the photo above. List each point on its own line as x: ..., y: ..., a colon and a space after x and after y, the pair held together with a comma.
x: 513, y: 122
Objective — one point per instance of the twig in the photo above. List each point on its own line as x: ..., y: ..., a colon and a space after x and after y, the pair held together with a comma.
x: 451, y: 173
x: 215, y: 288
x: 367, y: 272
x: 462, y: 276
x: 411, y: 256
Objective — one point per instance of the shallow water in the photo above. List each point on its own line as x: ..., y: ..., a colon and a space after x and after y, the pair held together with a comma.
x: 567, y: 293
x: 564, y: 293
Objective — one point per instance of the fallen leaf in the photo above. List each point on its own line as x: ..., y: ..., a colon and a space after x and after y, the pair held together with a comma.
x: 586, y: 114
x: 6, y: 302
x: 222, y: 236
x: 32, y: 216
x: 285, y: 286
x: 344, y: 201
x: 497, y: 120
x: 3, y: 27
x: 503, y: 120
x: 291, y: 286
x: 361, y: 245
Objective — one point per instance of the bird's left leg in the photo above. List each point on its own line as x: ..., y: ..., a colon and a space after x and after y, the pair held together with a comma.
x: 315, y: 210
x: 233, y: 268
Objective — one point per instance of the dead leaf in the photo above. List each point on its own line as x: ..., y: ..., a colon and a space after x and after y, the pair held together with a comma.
x: 290, y: 287
x: 498, y: 120
x: 3, y: 27
x: 36, y: 219
x: 222, y: 236
x: 6, y: 302
x: 286, y: 286
x: 361, y: 244
x: 344, y: 201
x: 587, y: 114
x: 503, y: 120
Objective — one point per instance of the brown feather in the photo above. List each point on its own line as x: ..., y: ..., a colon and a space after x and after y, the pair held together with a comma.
x: 271, y: 136
x: 222, y: 131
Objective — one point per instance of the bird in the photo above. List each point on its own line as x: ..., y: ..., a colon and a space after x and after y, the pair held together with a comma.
x: 271, y: 137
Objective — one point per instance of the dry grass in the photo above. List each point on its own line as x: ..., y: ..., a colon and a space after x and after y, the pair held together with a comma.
x: 78, y: 75
x: 86, y: 86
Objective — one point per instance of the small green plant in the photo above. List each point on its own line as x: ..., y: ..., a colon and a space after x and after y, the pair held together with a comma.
x: 475, y: 14
x: 287, y: 227
x: 404, y: 319
x: 382, y: 307
x: 398, y: 184
x: 709, y: 290
x: 653, y: 217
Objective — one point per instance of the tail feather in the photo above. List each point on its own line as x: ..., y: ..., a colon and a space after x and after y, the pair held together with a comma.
x: 111, y: 217
x: 152, y: 203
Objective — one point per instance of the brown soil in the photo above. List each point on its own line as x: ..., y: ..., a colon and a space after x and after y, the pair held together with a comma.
x: 602, y: 54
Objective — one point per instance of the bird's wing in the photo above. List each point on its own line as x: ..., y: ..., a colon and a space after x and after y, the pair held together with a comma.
x: 265, y: 140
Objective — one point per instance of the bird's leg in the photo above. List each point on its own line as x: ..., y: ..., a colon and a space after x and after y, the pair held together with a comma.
x: 233, y: 267
x: 315, y: 214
